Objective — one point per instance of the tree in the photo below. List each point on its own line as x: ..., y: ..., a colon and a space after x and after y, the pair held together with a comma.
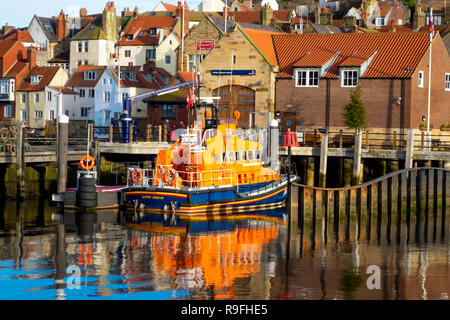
x: 355, y: 113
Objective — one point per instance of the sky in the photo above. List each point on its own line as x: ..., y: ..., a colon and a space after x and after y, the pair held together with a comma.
x: 18, y: 13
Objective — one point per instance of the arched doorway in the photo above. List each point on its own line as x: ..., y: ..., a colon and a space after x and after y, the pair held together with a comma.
x: 242, y: 100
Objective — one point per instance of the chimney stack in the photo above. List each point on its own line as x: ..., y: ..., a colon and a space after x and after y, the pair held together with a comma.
x: 418, y: 18
x: 179, y: 14
x: 109, y: 21
x: 266, y: 15
x: 60, y: 26
x: 31, y: 57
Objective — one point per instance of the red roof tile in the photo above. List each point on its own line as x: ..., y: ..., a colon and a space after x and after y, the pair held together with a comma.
x: 77, y: 79
x: 47, y: 73
x: 315, y: 58
x: 64, y: 90
x: 140, y: 29
x: 263, y: 40
x: 18, y: 68
x: 252, y: 16
x: 395, y: 51
x: 23, y: 35
x: 187, y: 76
x: 169, y: 7
x: 5, y: 46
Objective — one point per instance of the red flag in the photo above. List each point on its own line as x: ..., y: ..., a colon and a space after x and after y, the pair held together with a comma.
x: 190, y: 98
x: 431, y: 24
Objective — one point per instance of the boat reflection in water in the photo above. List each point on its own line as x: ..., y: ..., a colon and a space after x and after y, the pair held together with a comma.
x: 207, y: 255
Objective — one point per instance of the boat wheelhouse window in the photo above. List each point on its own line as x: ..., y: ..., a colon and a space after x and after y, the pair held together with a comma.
x: 223, y: 156
x: 230, y: 156
x: 244, y: 156
x: 238, y: 156
x: 250, y: 155
x: 258, y: 154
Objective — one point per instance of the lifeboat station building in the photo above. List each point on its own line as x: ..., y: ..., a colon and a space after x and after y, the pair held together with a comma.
x: 319, y: 71
x: 241, y: 70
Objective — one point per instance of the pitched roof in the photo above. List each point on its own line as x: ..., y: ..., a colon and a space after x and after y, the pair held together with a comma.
x: 263, y: 41
x: 253, y: 16
x: 47, y: 73
x: 5, y: 46
x: 186, y: 76
x: 140, y: 29
x: 15, y: 34
x: 139, y: 82
x: 315, y: 58
x: 16, y: 69
x: 49, y: 27
x: 77, y: 79
x: 64, y: 90
x: 396, y: 52
x: 92, y: 31
x: 220, y: 24
x: 169, y: 7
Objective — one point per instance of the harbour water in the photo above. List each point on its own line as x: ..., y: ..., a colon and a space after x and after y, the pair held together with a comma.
x: 128, y: 255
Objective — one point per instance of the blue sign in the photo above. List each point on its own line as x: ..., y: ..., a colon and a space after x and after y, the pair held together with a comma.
x: 233, y: 72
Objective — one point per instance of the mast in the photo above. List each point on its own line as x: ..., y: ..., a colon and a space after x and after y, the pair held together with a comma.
x: 429, y: 76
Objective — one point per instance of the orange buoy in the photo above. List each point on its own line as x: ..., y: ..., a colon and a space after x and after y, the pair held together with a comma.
x: 136, y: 176
x: 87, y: 163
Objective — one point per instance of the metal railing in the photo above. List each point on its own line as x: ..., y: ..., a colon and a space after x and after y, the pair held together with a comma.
x: 395, y: 140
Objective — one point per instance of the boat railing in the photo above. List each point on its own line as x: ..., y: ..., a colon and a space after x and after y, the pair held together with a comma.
x: 138, y: 177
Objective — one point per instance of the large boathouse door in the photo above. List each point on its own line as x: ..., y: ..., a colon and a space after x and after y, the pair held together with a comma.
x: 242, y: 100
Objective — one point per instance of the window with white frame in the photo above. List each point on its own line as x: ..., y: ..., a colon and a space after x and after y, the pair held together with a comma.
x: 107, y: 115
x: 36, y: 97
x: 127, y: 53
x: 51, y: 115
x: 447, y: 82
x: 150, y: 54
x: 104, y: 81
x: 38, y: 114
x: 132, y: 76
x: 80, y: 46
x: 91, y: 93
x: 307, y: 78
x: 90, y: 75
x: 379, y: 22
x: 35, y: 79
x: 24, y: 98
x: 24, y: 116
x: 82, y: 93
x: 349, y: 78
x: 194, y: 60
x: 86, y: 46
x: 153, y: 31
x: 106, y: 96
x: 420, y: 79
x: 84, y: 112
x: 167, y: 59
x: 8, y: 111
x: 125, y: 96
x: 49, y: 96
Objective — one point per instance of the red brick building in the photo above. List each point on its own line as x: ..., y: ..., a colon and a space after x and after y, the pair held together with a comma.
x: 15, y: 63
x: 319, y: 71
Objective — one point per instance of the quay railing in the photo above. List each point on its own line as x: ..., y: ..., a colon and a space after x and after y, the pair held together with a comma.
x: 375, y: 140
x: 417, y: 195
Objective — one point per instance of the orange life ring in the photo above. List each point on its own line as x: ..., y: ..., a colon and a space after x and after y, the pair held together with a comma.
x: 136, y: 176
x: 169, y: 177
x: 83, y: 163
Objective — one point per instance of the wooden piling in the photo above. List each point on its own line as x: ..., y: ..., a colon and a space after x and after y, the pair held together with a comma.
x: 348, y: 200
x: 20, y: 161
x: 358, y: 211
x: 325, y: 213
x: 63, y: 140
x: 336, y: 214
x: 369, y: 210
x: 357, y: 166
x: 409, y: 149
x: 323, y: 159
x: 111, y: 133
x: 399, y: 205
x: 379, y: 208
x: 435, y: 200
x: 444, y: 204
x: 131, y: 132
x: 310, y: 162
x: 389, y: 207
x: 148, y: 132
x: 159, y: 133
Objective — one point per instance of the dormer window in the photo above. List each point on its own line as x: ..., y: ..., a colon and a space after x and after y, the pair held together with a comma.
x: 90, y: 75
x: 153, y: 31
x: 307, y: 78
x: 349, y: 78
x: 48, y: 28
x: 35, y: 79
x: 129, y: 37
x: 142, y: 34
x: 132, y: 76
x: 148, y: 77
